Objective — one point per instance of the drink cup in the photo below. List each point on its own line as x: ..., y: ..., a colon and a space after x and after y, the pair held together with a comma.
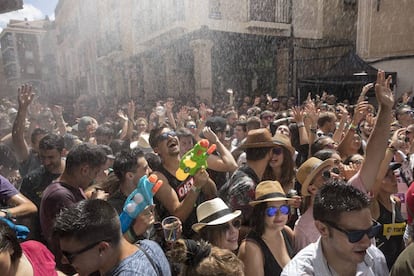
x: 171, y: 225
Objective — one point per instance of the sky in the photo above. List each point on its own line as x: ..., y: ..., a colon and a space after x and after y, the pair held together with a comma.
x: 32, y: 9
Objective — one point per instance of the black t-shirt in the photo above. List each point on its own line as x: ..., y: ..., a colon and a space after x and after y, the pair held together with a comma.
x: 35, y: 183
x: 181, y: 188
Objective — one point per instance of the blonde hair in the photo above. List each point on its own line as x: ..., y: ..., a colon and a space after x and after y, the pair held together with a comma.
x: 203, y: 259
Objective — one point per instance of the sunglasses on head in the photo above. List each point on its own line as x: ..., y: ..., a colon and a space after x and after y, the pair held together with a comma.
x: 272, y: 210
x: 164, y: 136
x: 357, y: 235
x: 277, y: 150
x: 235, y: 222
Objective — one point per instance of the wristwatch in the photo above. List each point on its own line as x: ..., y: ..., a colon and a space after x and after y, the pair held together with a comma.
x: 7, y: 213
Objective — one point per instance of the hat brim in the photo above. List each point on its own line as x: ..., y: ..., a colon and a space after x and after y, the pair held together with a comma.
x: 290, y: 149
x: 311, y: 176
x: 229, y: 217
x: 273, y: 199
x: 259, y: 145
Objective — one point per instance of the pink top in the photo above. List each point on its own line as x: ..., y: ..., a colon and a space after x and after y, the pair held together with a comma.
x: 305, y: 231
x: 42, y: 260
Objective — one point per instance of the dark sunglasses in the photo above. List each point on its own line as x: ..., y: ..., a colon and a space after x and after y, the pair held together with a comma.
x: 357, y: 235
x: 164, y: 136
x: 272, y: 210
x: 277, y: 151
x: 235, y: 222
x: 71, y: 256
x: 268, y: 117
x: 327, y: 174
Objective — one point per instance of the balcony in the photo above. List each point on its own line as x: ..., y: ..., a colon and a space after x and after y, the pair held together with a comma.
x: 268, y: 15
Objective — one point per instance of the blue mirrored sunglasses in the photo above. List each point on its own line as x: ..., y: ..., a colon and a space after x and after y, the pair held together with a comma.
x: 272, y: 210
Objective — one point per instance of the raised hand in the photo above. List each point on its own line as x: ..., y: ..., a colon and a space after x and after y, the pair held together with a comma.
x: 298, y: 114
x: 383, y: 91
x: 25, y: 95
x: 364, y: 91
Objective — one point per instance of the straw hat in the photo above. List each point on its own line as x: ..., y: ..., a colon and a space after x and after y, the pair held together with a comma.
x: 284, y: 141
x: 258, y: 138
x: 308, y: 170
x: 269, y: 191
x: 213, y: 212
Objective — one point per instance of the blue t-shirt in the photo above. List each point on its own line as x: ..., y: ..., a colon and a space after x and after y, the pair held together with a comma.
x: 138, y: 263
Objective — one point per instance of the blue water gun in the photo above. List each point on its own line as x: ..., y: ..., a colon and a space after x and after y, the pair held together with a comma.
x: 140, y: 198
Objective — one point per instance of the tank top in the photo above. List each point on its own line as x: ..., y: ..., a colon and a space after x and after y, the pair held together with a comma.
x: 181, y: 188
x: 393, y: 246
x: 271, y: 266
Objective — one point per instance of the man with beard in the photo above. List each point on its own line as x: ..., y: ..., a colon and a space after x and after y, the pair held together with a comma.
x: 83, y: 164
x: 178, y: 198
x: 343, y: 218
x: 51, y: 152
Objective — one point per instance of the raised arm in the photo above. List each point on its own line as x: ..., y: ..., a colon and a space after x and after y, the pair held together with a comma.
x: 378, y: 140
x: 25, y: 96
x: 225, y: 161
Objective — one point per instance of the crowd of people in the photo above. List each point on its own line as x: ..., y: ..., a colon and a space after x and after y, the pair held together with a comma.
x: 321, y: 188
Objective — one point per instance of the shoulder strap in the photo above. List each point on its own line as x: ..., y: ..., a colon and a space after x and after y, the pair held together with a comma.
x: 157, y: 271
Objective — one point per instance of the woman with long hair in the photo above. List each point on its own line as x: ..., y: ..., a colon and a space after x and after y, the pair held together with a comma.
x: 269, y: 245
x: 282, y: 166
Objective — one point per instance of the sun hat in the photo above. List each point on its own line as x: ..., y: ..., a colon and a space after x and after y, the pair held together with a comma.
x: 213, y: 212
x: 284, y: 141
x: 309, y: 169
x: 258, y: 138
x: 268, y: 191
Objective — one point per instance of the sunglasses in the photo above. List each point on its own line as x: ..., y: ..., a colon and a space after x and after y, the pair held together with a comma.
x: 71, y: 256
x: 277, y: 151
x: 357, y: 235
x: 272, y: 210
x: 268, y: 117
x: 327, y: 173
x: 191, y: 126
x: 235, y: 222
x: 357, y: 162
x: 164, y: 136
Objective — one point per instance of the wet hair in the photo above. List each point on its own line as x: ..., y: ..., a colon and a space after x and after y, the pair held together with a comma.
x: 70, y: 141
x: 126, y: 161
x: 104, y: 130
x: 325, y: 154
x: 37, y: 132
x: 85, y: 153
x: 326, y: 117
x: 154, y: 160
x: 255, y: 154
x: 335, y: 198
x: 253, y: 123
x: 88, y: 221
x: 318, y: 144
x: 52, y: 141
x: 203, y: 259
x: 243, y: 124
x: 154, y: 133
x: 117, y: 145
x: 8, y: 240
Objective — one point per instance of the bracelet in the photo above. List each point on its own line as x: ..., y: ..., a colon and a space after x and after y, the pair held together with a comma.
x: 352, y: 127
x: 7, y: 213
x: 393, y: 149
x: 300, y: 124
x: 132, y: 236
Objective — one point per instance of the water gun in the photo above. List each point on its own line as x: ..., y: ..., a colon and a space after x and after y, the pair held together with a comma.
x: 21, y: 231
x: 140, y: 198
x: 194, y: 159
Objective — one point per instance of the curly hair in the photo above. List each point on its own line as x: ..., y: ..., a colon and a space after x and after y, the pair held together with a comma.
x: 203, y: 259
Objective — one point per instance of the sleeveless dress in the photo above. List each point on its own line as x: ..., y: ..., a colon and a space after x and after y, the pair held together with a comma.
x: 271, y: 267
